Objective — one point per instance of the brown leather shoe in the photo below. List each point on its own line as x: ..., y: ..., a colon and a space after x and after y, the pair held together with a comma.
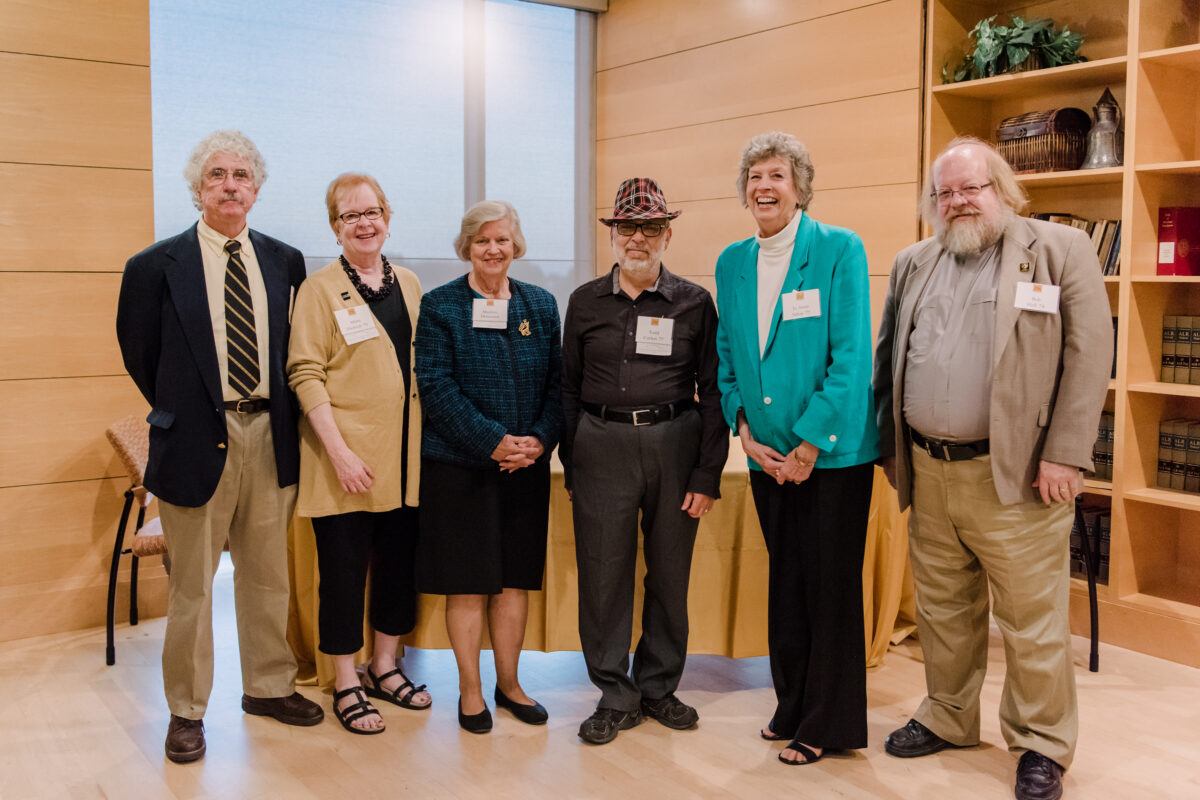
x: 1038, y: 778
x: 185, y: 739
x: 295, y: 709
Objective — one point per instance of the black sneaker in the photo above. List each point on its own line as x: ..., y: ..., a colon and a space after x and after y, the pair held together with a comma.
x: 671, y: 711
x: 602, y: 726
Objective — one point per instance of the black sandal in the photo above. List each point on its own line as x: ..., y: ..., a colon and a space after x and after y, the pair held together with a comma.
x: 769, y: 733
x: 375, y: 689
x: 355, y: 711
x: 810, y: 757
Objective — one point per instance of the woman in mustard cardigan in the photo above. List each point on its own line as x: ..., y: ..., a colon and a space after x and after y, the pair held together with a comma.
x: 794, y: 342
x: 350, y: 362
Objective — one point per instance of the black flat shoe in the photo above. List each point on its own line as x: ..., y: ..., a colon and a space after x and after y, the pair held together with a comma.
x: 530, y: 715
x: 474, y: 723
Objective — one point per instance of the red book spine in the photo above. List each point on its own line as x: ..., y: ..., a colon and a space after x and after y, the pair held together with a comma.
x: 1179, y: 240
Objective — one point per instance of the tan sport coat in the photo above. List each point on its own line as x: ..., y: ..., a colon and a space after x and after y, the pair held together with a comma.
x: 1050, y: 371
x: 363, y: 384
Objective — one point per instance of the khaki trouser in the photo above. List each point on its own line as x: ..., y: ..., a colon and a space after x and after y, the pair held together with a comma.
x: 960, y: 536
x: 250, y: 511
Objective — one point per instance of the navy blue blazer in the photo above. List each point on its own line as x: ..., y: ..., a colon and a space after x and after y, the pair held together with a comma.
x: 165, y: 331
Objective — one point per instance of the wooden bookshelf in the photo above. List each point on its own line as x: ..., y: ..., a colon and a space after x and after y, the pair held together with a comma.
x: 1147, y: 52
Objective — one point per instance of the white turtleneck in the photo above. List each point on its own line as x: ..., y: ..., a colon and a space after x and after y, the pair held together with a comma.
x: 774, y: 258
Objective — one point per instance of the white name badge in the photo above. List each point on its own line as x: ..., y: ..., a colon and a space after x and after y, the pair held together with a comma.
x: 1042, y: 297
x: 654, y: 336
x: 356, y: 323
x: 797, y: 305
x: 489, y: 313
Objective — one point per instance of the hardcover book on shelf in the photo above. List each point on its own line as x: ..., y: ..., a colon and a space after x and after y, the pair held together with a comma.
x: 1169, y: 332
x: 1191, y: 479
x: 1114, y: 364
x: 1179, y: 240
x: 1110, y: 424
x: 1194, y: 372
x: 1165, y: 452
x: 1179, y: 447
x: 1184, y: 337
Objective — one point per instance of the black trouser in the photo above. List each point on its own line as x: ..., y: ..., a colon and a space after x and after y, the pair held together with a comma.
x: 619, y: 469
x: 346, y: 545
x: 815, y: 532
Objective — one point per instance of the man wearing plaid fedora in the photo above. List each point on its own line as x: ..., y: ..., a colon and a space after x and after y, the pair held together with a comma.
x: 644, y: 434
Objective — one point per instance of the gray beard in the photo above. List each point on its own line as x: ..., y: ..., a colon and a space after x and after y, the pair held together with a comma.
x: 972, y: 235
x: 640, y: 272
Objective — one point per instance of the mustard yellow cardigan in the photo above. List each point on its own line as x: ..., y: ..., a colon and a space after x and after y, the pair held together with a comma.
x: 364, y: 386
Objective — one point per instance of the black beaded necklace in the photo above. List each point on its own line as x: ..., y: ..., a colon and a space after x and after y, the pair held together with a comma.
x: 366, y: 292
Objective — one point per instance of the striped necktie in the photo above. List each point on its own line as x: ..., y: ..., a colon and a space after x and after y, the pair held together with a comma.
x: 241, y: 340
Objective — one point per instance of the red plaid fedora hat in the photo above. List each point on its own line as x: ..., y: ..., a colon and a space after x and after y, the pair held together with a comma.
x: 639, y: 198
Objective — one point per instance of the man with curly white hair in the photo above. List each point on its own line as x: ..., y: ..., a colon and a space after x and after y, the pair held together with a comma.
x: 203, y: 321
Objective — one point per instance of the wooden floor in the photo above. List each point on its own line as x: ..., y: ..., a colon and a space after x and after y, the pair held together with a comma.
x: 71, y: 727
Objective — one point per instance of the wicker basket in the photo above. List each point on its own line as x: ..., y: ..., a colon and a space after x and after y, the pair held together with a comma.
x: 1044, y: 141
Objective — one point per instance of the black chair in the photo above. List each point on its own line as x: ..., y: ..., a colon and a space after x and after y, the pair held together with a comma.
x: 130, y: 437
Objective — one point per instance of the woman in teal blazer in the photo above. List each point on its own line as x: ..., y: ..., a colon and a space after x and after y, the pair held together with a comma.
x: 794, y: 340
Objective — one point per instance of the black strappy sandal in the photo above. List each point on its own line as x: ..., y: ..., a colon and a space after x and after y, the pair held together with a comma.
x: 397, y: 696
x: 810, y: 757
x: 355, y: 711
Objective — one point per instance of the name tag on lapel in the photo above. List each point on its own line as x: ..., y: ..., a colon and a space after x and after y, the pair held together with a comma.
x: 1040, y: 297
x: 356, y: 324
x: 798, y: 305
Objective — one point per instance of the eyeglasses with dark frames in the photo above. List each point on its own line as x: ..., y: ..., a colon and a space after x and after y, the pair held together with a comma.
x: 649, y: 229
x: 351, y: 217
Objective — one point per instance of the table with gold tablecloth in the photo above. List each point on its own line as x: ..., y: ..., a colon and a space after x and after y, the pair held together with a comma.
x: 726, y: 602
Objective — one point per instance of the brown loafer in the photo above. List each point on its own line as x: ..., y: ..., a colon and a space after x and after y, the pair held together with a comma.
x: 295, y: 709
x: 185, y: 739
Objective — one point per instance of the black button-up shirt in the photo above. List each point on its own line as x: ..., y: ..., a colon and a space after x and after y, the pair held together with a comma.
x: 601, y: 364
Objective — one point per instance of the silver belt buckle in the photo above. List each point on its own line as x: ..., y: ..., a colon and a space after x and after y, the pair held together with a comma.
x: 649, y: 412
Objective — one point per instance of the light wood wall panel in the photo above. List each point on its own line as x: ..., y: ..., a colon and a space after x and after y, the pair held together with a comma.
x: 53, y: 430
x: 73, y: 218
x: 75, y: 161
x: 683, y: 116
x: 860, y: 52
x: 113, y: 30
x: 66, y: 111
x: 34, y: 343
x: 842, y: 137
x: 67, y: 604
x: 636, y: 30
x: 40, y: 536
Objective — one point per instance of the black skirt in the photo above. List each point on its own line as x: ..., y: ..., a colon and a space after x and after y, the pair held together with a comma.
x: 482, y: 530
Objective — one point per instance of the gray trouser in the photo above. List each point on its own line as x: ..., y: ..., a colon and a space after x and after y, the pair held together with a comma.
x: 619, y: 470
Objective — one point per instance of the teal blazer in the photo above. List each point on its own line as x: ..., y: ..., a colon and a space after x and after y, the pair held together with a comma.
x: 813, y: 383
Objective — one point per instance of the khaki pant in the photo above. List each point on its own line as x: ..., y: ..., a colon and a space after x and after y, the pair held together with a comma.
x: 962, y: 539
x: 250, y: 511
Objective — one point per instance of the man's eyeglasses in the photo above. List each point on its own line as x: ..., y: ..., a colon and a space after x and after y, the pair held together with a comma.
x: 217, y: 175
x: 968, y: 192
x: 351, y: 217
x: 648, y: 229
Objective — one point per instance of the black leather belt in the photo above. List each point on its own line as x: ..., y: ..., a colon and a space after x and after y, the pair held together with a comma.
x: 950, y: 451
x: 640, y: 416
x: 248, y: 405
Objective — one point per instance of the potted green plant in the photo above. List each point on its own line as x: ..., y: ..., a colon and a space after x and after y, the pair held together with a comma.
x: 1018, y: 46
